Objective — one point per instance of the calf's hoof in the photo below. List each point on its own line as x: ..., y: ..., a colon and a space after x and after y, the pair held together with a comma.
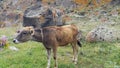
x: 75, y: 62
x: 48, y: 66
x: 55, y: 67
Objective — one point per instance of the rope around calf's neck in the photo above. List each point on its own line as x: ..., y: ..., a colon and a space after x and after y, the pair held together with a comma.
x: 42, y: 33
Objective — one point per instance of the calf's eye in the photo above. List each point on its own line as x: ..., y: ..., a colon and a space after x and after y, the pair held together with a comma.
x: 18, y: 31
x: 24, y: 33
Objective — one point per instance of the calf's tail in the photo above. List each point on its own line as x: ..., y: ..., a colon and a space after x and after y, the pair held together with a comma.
x: 79, y: 43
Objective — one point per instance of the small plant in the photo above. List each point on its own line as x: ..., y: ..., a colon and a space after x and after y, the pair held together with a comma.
x: 3, y: 42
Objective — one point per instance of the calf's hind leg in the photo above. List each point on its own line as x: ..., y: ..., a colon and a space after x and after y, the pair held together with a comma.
x: 75, y: 52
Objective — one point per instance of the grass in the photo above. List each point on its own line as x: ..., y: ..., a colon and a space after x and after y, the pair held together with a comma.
x: 33, y: 55
x: 100, y: 55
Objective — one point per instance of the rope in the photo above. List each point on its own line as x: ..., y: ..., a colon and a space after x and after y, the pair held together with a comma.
x: 42, y: 33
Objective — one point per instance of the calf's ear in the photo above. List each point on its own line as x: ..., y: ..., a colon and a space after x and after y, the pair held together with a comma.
x: 31, y: 31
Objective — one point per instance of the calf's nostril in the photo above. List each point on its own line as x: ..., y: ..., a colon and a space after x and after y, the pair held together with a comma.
x: 14, y: 41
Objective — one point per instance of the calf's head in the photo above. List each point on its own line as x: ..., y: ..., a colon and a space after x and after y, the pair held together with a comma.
x: 24, y: 35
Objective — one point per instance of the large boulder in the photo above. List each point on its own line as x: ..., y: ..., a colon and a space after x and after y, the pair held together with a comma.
x: 103, y: 33
x: 42, y: 16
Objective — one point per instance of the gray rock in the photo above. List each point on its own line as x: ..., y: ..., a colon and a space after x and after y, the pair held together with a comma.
x: 103, y: 33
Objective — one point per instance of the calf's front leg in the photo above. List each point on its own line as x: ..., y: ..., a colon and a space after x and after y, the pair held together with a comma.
x: 55, y: 57
x: 48, y: 57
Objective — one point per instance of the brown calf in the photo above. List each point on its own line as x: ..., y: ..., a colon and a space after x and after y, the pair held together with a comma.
x: 51, y: 37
